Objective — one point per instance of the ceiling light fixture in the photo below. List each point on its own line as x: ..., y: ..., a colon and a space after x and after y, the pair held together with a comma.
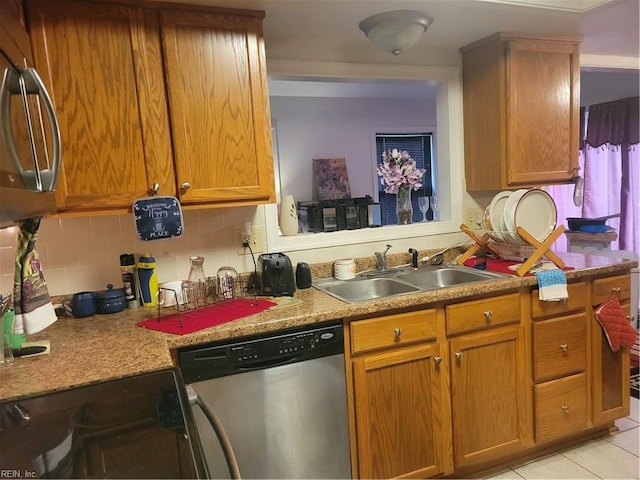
x: 397, y: 30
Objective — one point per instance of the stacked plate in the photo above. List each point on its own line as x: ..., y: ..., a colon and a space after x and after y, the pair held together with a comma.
x: 532, y: 209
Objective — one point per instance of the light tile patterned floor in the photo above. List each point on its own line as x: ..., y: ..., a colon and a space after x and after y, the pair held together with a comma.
x: 612, y: 457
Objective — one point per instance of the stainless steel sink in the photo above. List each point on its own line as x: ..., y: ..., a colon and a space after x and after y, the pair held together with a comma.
x: 360, y: 289
x: 431, y: 278
x: 402, y: 281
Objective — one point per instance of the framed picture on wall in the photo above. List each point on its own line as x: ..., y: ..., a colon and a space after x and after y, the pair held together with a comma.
x: 331, y: 178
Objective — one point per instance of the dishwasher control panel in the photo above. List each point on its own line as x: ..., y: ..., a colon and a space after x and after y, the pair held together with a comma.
x: 251, y: 353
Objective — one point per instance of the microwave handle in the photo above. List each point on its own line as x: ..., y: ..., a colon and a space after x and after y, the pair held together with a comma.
x: 34, y: 84
x: 12, y: 84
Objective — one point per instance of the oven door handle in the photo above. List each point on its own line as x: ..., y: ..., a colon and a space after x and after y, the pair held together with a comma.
x: 223, y: 438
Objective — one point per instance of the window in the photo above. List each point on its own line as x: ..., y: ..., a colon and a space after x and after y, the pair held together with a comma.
x: 447, y: 164
x: 419, y: 146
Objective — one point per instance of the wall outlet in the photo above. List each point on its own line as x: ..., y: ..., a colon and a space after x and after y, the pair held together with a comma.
x: 473, y: 217
x: 258, y: 240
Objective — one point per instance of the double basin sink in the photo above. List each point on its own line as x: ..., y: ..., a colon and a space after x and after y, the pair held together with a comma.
x: 401, y: 281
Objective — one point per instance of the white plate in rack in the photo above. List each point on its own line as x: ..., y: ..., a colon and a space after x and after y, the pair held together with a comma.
x: 510, y: 234
x: 536, y: 212
x: 496, y: 211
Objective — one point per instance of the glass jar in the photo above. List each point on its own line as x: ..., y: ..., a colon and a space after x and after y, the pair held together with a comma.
x: 198, y: 280
x: 227, y: 278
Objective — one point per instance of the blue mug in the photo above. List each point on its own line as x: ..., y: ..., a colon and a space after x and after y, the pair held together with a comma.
x: 82, y: 304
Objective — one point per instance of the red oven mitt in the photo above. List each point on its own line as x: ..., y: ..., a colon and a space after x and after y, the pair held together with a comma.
x: 615, y: 324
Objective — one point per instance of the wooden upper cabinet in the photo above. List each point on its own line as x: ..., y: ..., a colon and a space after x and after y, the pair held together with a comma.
x: 153, y: 95
x: 109, y: 96
x: 521, y: 112
x: 216, y: 82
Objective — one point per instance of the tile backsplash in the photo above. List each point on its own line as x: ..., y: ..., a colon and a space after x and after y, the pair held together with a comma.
x: 83, y: 253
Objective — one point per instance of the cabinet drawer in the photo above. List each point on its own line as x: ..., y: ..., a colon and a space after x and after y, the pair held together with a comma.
x: 560, y: 407
x: 575, y: 302
x: 392, y: 330
x: 605, y: 288
x: 559, y: 346
x: 483, y: 313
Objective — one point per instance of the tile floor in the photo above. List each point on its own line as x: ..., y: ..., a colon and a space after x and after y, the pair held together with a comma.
x: 615, y: 456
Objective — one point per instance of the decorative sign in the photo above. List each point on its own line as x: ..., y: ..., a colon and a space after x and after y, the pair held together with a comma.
x: 158, y: 217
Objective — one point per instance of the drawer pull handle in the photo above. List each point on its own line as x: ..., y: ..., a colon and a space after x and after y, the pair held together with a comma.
x: 616, y: 290
x: 458, y: 356
x: 565, y: 408
x: 564, y: 347
x: 488, y: 314
x: 398, y: 332
x: 437, y: 360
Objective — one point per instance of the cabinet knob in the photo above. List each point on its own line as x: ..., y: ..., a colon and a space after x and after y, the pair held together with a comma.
x: 185, y: 186
x: 616, y: 290
x: 398, y: 332
x: 564, y: 347
x: 437, y: 360
x: 488, y: 314
x: 458, y: 356
x: 565, y: 408
x: 153, y: 189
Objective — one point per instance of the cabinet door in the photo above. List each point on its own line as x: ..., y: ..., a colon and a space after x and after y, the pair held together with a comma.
x: 109, y: 96
x: 611, y: 376
x: 397, y: 404
x: 488, y: 395
x: 520, y: 131
x: 542, y: 116
x: 216, y: 83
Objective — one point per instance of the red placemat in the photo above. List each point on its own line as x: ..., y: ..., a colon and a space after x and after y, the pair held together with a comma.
x: 206, y: 317
x: 501, y: 266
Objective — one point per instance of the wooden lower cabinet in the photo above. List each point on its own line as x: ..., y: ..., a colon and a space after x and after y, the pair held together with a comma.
x: 560, y: 407
x: 465, y: 386
x: 488, y: 395
x: 398, y: 423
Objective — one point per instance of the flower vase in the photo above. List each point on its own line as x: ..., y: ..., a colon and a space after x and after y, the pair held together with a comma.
x: 404, y: 208
x: 288, y: 216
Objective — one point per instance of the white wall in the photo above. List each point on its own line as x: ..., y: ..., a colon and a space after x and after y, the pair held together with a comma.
x: 309, y: 128
x: 606, y: 86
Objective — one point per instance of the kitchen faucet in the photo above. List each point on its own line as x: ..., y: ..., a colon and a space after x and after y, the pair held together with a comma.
x: 414, y: 258
x: 381, y: 258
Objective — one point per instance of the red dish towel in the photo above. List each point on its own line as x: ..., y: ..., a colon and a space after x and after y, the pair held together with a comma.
x: 500, y: 266
x: 615, y: 324
x: 206, y: 317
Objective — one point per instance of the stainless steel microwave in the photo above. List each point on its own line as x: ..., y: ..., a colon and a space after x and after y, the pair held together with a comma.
x: 30, y: 146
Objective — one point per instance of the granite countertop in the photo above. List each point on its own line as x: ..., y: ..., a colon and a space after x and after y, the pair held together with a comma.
x: 108, y: 347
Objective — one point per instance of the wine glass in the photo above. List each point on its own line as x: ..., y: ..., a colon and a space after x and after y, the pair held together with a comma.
x: 423, y: 204
x: 434, y: 206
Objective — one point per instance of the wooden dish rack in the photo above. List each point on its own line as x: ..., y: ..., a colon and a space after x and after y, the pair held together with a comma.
x: 533, y: 251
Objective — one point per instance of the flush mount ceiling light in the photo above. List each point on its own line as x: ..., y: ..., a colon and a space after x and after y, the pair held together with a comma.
x: 397, y: 30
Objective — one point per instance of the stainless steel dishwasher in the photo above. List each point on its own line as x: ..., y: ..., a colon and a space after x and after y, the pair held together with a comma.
x: 272, y: 406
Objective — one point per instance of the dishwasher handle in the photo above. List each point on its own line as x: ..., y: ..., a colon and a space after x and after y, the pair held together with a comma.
x: 266, y: 363
x: 225, y: 443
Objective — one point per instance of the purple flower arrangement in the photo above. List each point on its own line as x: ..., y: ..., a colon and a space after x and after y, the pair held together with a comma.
x: 398, y: 171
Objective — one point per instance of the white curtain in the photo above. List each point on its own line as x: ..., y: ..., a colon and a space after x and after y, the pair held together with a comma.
x: 610, y: 162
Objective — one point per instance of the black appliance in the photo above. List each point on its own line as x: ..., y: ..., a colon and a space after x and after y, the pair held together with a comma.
x: 340, y: 214
x: 135, y: 427
x: 276, y: 275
